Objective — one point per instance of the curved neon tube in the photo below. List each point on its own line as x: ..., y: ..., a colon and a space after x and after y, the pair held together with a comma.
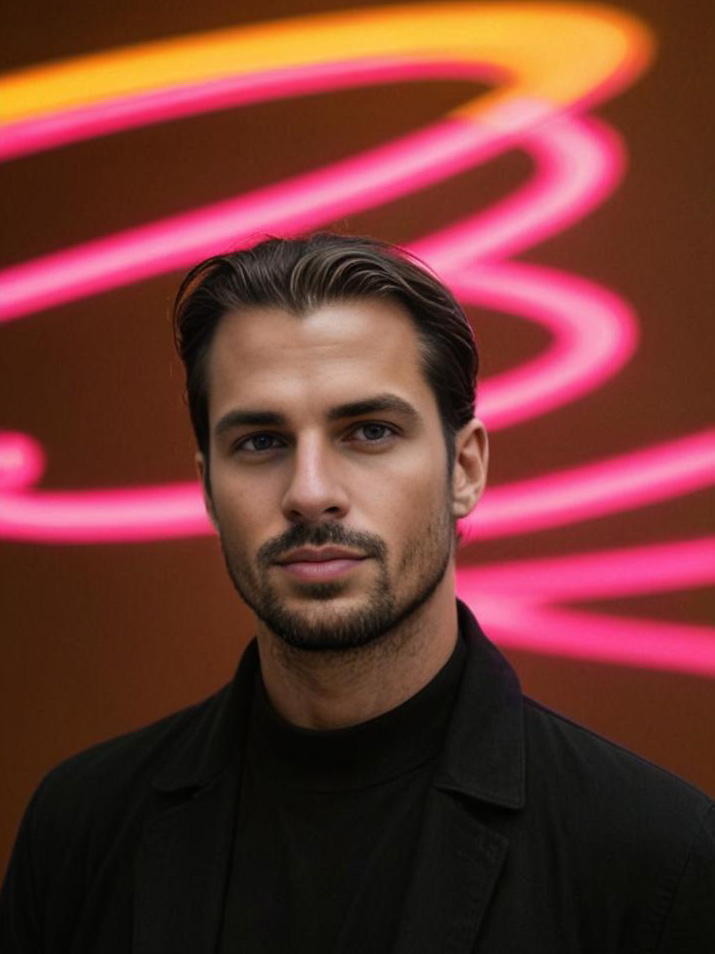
x: 592, y: 637
x: 518, y: 602
x: 633, y: 480
x: 544, y: 60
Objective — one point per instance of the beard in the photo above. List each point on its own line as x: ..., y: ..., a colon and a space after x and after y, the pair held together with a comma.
x: 323, y: 625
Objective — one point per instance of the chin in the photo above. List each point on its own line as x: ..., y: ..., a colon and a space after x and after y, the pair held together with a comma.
x: 331, y: 622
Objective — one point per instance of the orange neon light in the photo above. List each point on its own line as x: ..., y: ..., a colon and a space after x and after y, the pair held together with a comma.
x: 558, y: 53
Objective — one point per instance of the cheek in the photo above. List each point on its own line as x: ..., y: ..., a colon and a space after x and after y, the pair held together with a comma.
x: 240, y: 517
x: 242, y: 497
x: 425, y: 491
x: 404, y: 506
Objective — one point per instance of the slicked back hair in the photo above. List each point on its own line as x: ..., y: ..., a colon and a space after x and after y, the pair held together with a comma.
x: 302, y: 275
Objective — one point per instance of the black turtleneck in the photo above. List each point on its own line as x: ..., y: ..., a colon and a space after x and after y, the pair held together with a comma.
x: 327, y: 825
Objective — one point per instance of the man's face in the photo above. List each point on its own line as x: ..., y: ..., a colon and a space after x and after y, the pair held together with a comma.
x: 328, y: 474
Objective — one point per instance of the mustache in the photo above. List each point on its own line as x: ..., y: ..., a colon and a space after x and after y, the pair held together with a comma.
x: 320, y: 535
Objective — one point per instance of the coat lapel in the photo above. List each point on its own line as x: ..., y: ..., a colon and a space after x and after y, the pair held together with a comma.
x: 183, y: 872
x: 457, y: 865
x: 459, y: 858
x: 183, y: 865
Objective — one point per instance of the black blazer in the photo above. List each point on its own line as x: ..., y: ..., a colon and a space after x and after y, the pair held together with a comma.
x: 538, y: 836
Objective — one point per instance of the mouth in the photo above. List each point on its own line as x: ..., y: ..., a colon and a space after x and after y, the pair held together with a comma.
x: 320, y: 564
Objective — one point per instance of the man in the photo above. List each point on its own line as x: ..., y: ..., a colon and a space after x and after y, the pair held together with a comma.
x: 373, y: 779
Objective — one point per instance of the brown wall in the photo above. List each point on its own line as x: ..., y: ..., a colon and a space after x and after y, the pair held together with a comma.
x: 98, y: 639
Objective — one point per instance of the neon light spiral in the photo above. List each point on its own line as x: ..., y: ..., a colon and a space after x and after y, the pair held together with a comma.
x: 547, y: 63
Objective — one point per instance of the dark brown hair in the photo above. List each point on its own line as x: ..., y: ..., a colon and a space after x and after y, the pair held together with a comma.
x: 301, y: 275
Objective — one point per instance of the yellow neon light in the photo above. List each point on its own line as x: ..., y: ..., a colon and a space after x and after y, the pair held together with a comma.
x: 551, y: 51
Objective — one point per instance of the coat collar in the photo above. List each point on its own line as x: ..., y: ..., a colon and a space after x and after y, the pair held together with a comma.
x: 185, y: 854
x: 484, y: 751
x: 184, y: 861
x: 217, y: 735
x: 459, y: 856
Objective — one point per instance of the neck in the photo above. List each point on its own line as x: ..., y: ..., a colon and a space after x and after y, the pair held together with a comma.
x: 330, y: 690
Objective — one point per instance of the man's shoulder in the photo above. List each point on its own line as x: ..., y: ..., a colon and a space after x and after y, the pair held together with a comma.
x: 120, y: 769
x: 589, y: 776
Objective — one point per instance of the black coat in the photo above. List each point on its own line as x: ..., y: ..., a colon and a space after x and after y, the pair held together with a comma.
x: 538, y: 836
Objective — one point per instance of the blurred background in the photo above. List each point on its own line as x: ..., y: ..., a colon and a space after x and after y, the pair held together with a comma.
x: 547, y: 160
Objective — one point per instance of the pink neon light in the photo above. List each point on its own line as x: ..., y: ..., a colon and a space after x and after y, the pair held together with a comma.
x: 627, y: 572
x: 594, y: 331
x: 26, y: 137
x: 148, y: 513
x: 584, y: 353
x: 22, y: 461
x: 305, y: 202
x: 562, y: 189
x: 578, y: 163
x: 616, y: 640
x: 516, y: 602
x: 633, y: 480
x: 594, y: 335
x: 110, y: 516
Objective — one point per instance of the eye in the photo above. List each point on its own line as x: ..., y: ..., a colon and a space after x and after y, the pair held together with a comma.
x: 374, y: 433
x: 257, y: 443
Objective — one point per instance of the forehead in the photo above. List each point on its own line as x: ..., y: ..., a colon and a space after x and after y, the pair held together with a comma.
x: 341, y: 351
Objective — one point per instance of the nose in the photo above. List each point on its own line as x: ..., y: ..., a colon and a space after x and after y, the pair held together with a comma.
x: 315, y: 493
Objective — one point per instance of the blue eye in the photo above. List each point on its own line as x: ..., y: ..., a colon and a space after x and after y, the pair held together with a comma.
x: 260, y: 442
x: 375, y: 433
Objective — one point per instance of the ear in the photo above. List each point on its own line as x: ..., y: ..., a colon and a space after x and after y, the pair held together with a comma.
x: 470, y: 467
x: 202, y: 469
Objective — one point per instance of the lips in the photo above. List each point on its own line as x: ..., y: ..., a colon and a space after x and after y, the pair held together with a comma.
x: 319, y: 555
x: 320, y: 563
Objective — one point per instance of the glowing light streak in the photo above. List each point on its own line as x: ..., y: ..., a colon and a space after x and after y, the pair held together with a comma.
x: 592, y: 637
x: 594, y: 332
x: 631, y: 571
x: 593, y: 335
x: 22, y: 461
x: 51, y: 130
x: 148, y: 513
x: 578, y: 163
x: 547, y: 62
x: 638, y: 479
x: 560, y: 53
x: 517, y: 604
x: 562, y: 188
x: 534, y: 51
x: 350, y: 186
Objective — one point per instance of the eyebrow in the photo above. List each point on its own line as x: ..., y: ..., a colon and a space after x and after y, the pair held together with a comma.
x: 379, y: 404
x: 390, y: 403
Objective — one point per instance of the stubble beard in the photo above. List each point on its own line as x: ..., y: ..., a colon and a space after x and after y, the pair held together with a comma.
x: 383, y: 609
